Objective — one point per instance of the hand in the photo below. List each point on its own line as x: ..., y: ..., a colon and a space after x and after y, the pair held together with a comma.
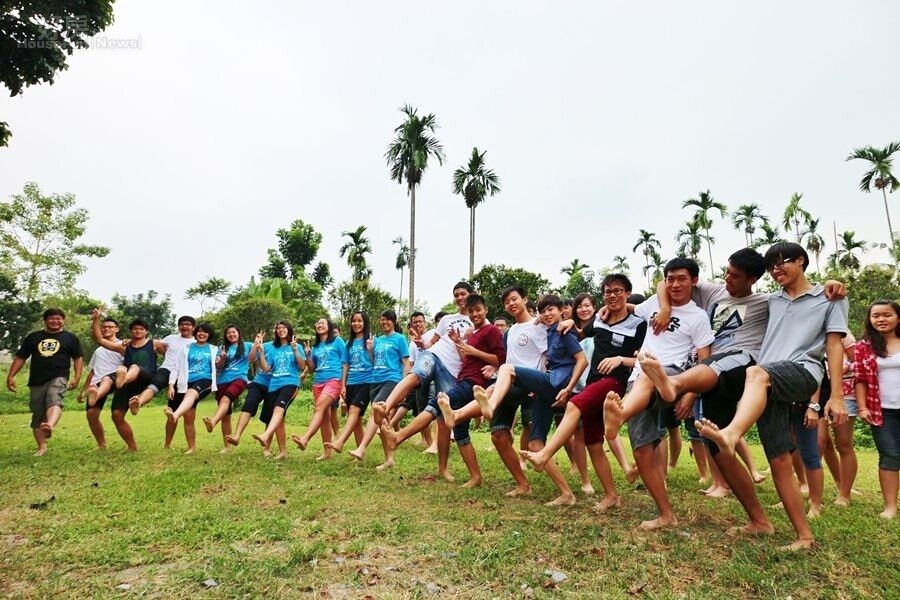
x: 603, y: 313
x: 80, y: 397
x: 260, y: 336
x: 11, y: 384
x: 302, y: 377
x: 95, y: 313
x: 294, y: 342
x: 835, y: 290
x: 488, y: 371
x: 465, y: 349
x: 836, y: 411
x: 609, y: 364
x: 660, y: 320
x: 864, y: 414
x: 306, y: 347
x: 417, y: 340
x: 454, y: 336
x: 171, y: 393
x: 811, y: 419
x: 73, y: 383
x: 344, y: 392
x: 565, y: 326
x: 684, y: 406
x: 561, y: 398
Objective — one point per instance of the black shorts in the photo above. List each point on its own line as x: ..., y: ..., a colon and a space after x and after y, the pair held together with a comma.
x: 203, y: 387
x: 719, y: 405
x: 282, y: 397
x: 790, y: 384
x: 256, y: 394
x: 358, y: 396
x: 159, y: 381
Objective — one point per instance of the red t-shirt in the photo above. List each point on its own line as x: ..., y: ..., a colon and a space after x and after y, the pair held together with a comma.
x: 487, y: 339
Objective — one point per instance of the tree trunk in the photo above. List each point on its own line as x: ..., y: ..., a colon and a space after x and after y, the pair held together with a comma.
x: 412, y: 248
x: 400, y: 295
x: 471, y: 243
x: 709, y: 246
x: 887, y: 213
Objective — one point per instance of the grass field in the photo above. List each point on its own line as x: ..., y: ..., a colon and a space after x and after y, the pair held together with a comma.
x: 79, y: 523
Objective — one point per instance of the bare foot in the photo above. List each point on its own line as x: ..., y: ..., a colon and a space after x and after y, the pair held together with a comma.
x: 518, y: 491
x: 134, y: 404
x: 815, y: 511
x: 46, y: 428
x: 801, y: 544
x: 757, y: 477
x: 190, y: 451
x: 752, y: 529
x: 390, y: 436
x: 334, y: 446
x: 719, y: 492
x: 225, y: 450
x: 536, y: 458
x: 587, y: 489
x: 612, y: 415
x: 324, y: 456
x: 719, y: 437
x: 432, y: 449
x: 232, y: 441
x: 654, y: 370
x: 209, y: 424
x: 379, y: 412
x: 841, y: 501
x: 447, y: 475
x: 170, y: 415
x: 855, y: 492
x: 562, y: 500
x: 280, y: 455
x: 298, y: 440
x: 658, y: 523
x: 41, y: 451
x: 709, y: 490
x: 804, y: 489
x: 483, y: 402
x: 606, y: 504
x: 388, y: 464
x: 357, y: 454
x: 263, y: 441
x: 632, y: 475
x: 267, y: 453
x: 888, y: 513
x: 474, y: 482
x: 443, y: 401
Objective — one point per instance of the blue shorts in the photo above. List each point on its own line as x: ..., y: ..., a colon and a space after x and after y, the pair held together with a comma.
x: 429, y: 368
x: 460, y: 395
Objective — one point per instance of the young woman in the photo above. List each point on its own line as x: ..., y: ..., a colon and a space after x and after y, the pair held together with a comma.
x: 355, y: 389
x: 328, y: 360
x: 233, y: 363
x: 256, y: 394
x: 195, y: 376
x: 283, y: 361
x: 838, y: 453
x: 878, y: 393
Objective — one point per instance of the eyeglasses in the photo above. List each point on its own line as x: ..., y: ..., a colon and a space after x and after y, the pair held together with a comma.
x: 614, y: 292
x: 779, y: 264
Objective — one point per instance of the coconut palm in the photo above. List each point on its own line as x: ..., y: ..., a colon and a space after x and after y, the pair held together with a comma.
x: 814, y: 241
x: 653, y: 270
x: 573, y: 268
x: 690, y: 238
x: 648, y: 243
x: 705, y: 204
x: 620, y: 264
x: 474, y: 183
x: 795, y: 215
x: 408, y: 156
x: 879, y: 175
x: 770, y: 235
x: 355, y: 250
x: 845, y: 256
x: 401, y: 262
x: 746, y: 217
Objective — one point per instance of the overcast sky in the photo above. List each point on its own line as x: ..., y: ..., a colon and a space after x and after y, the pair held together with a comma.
x: 233, y: 119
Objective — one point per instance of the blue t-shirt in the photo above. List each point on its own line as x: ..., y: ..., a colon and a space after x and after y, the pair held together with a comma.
x: 283, y: 366
x: 561, y: 351
x: 235, y: 368
x: 390, y: 350
x: 199, y: 362
x: 263, y: 378
x: 360, y: 370
x: 329, y: 359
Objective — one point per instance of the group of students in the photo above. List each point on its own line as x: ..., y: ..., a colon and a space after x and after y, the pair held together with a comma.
x: 721, y: 357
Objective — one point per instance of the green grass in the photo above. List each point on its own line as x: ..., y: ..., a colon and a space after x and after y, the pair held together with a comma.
x: 163, y: 523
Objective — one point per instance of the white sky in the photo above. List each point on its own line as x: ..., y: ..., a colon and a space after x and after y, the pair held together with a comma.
x: 234, y: 119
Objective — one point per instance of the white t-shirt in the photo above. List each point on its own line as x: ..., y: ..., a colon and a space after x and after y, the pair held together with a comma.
x: 445, y: 349
x: 175, y: 345
x: 526, y: 345
x: 104, y: 362
x: 688, y: 328
x: 889, y: 380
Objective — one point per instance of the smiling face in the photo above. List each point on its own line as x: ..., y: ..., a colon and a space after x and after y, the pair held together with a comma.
x: 356, y: 324
x: 110, y: 329
x: 737, y: 283
x: 550, y: 315
x: 679, y: 284
x: 514, y: 304
x: 201, y: 336
x: 281, y: 331
x: 417, y: 324
x: 585, y: 310
x: 884, y: 319
x: 615, y: 296
x: 786, y: 271
x: 54, y: 323
x: 478, y: 314
x: 321, y: 327
x: 459, y: 297
x: 387, y: 326
x: 185, y: 329
x: 231, y: 335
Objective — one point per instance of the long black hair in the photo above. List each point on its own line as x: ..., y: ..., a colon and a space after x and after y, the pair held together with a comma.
x: 239, y: 350
x: 331, y: 334
x: 290, y: 334
x: 879, y: 345
x: 576, y: 302
x: 366, y: 332
x: 392, y: 316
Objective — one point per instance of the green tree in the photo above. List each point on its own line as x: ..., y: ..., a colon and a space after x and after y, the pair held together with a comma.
x: 620, y: 265
x: 880, y: 176
x: 746, y: 218
x: 156, y: 310
x: 301, y: 296
x: 491, y: 280
x: 845, y: 256
x: 401, y: 261
x: 705, y: 204
x: 770, y: 235
x: 297, y: 249
x: 16, y: 316
x: 580, y: 279
x: 36, y: 39
x: 322, y: 275
x: 354, y: 250
x: 690, y: 238
x: 407, y: 157
x: 257, y: 314
x: 39, y: 241
x: 359, y: 294
x: 871, y: 283
x: 653, y: 270
x: 474, y: 182
x: 814, y: 241
x: 211, y: 289
x: 795, y: 216
x: 649, y: 245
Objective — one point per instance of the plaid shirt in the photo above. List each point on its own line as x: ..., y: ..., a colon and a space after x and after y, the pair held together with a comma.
x: 867, y: 373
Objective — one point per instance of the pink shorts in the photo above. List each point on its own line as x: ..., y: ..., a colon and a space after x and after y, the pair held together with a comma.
x: 332, y: 387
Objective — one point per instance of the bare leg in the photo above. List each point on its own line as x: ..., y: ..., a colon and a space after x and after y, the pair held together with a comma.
x: 618, y: 449
x: 743, y: 450
x: 579, y: 457
x: 171, y: 426
x: 749, y: 410
x: 190, y: 433
x: 787, y: 489
x: 675, y: 443
x: 243, y: 421
x: 318, y: 421
x: 221, y: 410
x: 505, y: 377
x: 503, y: 442
x: 739, y: 481
x: 444, y: 451
x: 40, y: 436
x: 467, y: 452
x: 700, y: 458
x: 843, y: 439
x: 656, y: 486
x: 281, y: 440
x: 124, y: 429
x: 350, y: 427
x: 265, y: 439
x: 601, y: 467
x: 617, y: 410
x: 186, y: 405
x: 398, y: 417
x: 226, y: 432
x: 102, y: 389
x: 564, y: 431
x: 815, y: 478
x: 393, y: 438
x: 96, y: 427
x: 890, y: 483
x: 800, y: 472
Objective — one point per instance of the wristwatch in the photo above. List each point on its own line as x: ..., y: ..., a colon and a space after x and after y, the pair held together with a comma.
x: 815, y: 406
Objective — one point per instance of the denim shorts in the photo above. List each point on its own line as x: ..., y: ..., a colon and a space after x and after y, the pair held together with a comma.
x: 545, y: 392
x: 887, y: 440
x: 460, y: 395
x: 429, y: 368
x: 791, y: 384
x: 505, y: 412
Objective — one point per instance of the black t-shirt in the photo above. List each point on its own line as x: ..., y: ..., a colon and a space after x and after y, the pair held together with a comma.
x: 615, y: 339
x: 51, y: 355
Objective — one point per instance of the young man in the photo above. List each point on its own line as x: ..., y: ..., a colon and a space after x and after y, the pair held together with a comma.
x: 614, y: 343
x: 484, y: 346
x: 802, y: 324
x: 417, y: 399
x: 688, y: 330
x: 502, y: 324
x: 52, y: 351
x: 439, y: 362
x: 100, y: 380
x: 552, y: 388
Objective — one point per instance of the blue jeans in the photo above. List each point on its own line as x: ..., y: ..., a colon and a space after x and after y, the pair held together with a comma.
x: 887, y: 440
x: 429, y: 368
x: 807, y: 439
x: 460, y: 395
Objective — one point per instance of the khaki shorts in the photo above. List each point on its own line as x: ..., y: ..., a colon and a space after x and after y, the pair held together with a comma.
x: 43, y: 397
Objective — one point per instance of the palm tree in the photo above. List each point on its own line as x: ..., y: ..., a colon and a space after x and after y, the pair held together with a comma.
x: 771, y: 235
x: 746, y: 217
x: 845, y: 257
x: 794, y: 214
x: 705, y: 203
x: 654, y: 269
x: 648, y: 243
x: 573, y: 268
x: 815, y: 243
x: 355, y: 249
x: 620, y: 264
x: 879, y: 175
x: 474, y: 182
x: 690, y: 238
x: 407, y: 156
x: 401, y: 262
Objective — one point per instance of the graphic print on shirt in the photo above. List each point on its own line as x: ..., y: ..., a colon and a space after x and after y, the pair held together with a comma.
x: 727, y: 318
x: 674, y: 322
x: 198, y: 361
x: 48, y: 347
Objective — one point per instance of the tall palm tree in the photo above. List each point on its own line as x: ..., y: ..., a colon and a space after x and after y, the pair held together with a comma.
x: 815, y: 243
x: 355, y: 250
x: 845, y: 256
x: 654, y: 269
x: 574, y: 267
x: 705, y: 204
x: 474, y: 183
x: 795, y: 215
x: 648, y: 243
x: 690, y: 238
x: 401, y: 262
x: 746, y: 217
x: 407, y: 156
x: 770, y: 235
x: 879, y: 175
x: 620, y: 264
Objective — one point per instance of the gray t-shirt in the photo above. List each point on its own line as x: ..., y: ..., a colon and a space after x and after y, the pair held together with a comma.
x: 738, y: 323
x: 797, y: 328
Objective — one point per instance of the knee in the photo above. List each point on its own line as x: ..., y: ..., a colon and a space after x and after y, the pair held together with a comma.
x: 507, y: 369
x: 118, y: 417
x: 757, y: 376
x: 501, y: 437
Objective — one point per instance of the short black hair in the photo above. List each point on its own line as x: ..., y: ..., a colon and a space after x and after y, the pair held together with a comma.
x: 206, y: 328
x: 439, y: 315
x: 110, y: 320
x: 187, y: 319
x: 474, y: 299
x: 749, y: 261
x: 513, y: 288
x: 464, y: 285
x: 54, y: 312
x: 568, y: 302
x: 682, y: 262
x: 530, y: 305
x: 636, y: 299
x: 417, y: 313
x: 782, y: 251
x: 549, y: 300
x: 139, y: 322
x: 619, y: 278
